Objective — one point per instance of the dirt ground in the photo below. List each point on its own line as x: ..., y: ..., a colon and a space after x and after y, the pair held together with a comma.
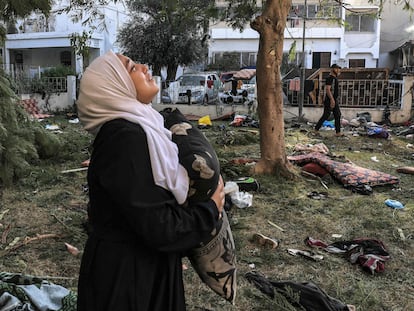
x: 47, y: 208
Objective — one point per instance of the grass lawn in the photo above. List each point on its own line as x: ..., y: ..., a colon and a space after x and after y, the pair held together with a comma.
x: 50, y: 206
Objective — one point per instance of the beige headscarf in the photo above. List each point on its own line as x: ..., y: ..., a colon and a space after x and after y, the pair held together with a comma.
x: 107, y: 92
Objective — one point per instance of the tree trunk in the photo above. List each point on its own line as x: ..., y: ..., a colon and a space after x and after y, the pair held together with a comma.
x: 156, y: 70
x: 271, y: 25
x: 171, y: 72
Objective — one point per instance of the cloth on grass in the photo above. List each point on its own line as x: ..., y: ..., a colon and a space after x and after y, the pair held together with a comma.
x: 30, y: 105
x: 370, y: 254
x: 300, y: 295
x: 377, y: 132
x: 321, y: 148
x: 348, y: 174
x: 21, y: 292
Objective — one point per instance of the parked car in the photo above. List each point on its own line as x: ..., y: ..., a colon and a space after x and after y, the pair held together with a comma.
x: 242, y: 96
x: 195, y: 88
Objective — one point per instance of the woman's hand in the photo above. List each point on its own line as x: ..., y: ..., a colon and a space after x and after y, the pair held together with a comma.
x: 219, y: 196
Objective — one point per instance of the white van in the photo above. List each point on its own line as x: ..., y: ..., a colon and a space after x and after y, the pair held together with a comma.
x: 197, y: 88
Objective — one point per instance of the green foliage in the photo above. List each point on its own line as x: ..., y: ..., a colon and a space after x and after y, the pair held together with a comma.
x: 59, y: 71
x: 172, y: 33
x: 80, y: 43
x: 292, y: 51
x: 238, y: 13
x: 11, y: 9
x: 20, y: 8
x: 229, y: 61
x: 21, y: 140
x: 86, y: 11
x: 48, y: 144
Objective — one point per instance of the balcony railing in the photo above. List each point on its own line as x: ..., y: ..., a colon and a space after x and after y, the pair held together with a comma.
x: 41, y: 85
x: 353, y: 93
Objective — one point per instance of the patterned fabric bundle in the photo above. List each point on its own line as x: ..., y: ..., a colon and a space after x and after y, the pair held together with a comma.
x: 348, y: 174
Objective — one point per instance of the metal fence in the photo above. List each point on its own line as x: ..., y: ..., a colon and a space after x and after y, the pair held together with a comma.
x: 41, y: 85
x: 352, y: 93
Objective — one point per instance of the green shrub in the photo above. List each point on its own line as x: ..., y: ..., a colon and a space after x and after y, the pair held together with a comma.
x: 59, y: 71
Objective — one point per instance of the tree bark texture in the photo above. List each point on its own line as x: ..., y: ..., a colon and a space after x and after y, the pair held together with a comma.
x: 271, y: 25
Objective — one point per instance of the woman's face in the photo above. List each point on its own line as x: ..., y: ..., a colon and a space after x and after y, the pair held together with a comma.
x: 144, y: 83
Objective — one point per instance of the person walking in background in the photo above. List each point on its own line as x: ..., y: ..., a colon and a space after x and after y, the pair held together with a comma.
x: 330, y: 103
x: 139, y: 228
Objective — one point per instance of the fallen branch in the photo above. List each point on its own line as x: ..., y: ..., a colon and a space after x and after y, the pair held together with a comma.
x: 28, y: 240
x: 315, y: 177
x: 75, y: 170
x: 276, y: 226
x: 5, y: 233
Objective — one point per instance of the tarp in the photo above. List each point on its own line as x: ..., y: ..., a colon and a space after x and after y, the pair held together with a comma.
x: 244, y: 74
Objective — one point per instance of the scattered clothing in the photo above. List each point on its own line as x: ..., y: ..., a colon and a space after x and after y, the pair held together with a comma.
x: 302, y: 296
x: 370, y: 254
x: 294, y: 85
x: 377, y: 132
x: 321, y: 148
x: 305, y: 253
x: 20, y: 292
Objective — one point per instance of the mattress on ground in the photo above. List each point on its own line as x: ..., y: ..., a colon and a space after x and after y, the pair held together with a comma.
x: 348, y: 174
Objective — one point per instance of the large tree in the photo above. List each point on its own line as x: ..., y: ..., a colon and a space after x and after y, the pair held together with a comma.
x: 166, y: 33
x: 270, y: 24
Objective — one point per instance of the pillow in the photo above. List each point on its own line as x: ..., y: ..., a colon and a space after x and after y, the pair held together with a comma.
x: 215, y: 260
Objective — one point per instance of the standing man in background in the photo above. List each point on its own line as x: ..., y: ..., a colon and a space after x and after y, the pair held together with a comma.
x: 330, y: 102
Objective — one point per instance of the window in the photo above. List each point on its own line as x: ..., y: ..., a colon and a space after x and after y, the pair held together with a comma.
x: 248, y: 59
x: 18, y: 58
x: 297, y: 59
x: 360, y: 22
x: 312, y: 11
x: 353, y: 63
x: 66, y: 58
x: 329, y: 11
x: 234, y: 59
x: 321, y: 59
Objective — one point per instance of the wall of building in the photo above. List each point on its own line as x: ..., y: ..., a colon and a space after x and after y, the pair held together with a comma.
x: 397, y: 29
x: 41, y: 40
x: 320, y: 36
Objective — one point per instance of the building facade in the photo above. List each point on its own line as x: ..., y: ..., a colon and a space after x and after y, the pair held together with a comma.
x: 38, y: 42
x: 332, y: 34
x: 397, y: 39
